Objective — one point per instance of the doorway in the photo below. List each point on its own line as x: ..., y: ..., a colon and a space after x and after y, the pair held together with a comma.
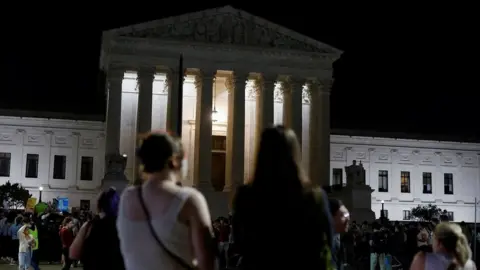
x: 219, y: 151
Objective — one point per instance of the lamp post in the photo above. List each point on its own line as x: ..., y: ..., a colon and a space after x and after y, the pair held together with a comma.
x: 382, y: 213
x: 40, y: 189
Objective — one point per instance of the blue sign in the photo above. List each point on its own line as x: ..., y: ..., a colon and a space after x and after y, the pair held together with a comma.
x: 63, y: 204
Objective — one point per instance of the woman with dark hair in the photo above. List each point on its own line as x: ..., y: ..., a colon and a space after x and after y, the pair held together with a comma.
x: 97, y: 244
x: 160, y: 224
x: 300, y: 235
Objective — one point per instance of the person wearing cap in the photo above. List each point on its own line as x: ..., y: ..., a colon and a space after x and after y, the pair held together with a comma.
x: 341, y: 217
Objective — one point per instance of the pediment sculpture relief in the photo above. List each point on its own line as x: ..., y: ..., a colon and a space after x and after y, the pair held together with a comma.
x: 226, y: 29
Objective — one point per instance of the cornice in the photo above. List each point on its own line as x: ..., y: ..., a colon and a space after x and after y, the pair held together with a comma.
x: 404, y: 143
x: 30, y: 122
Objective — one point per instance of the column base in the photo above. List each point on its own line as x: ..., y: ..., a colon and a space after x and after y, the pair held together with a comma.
x: 227, y: 188
x: 204, y: 187
x: 115, y: 172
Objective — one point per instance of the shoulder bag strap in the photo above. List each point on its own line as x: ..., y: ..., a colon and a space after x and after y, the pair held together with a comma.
x: 174, y: 256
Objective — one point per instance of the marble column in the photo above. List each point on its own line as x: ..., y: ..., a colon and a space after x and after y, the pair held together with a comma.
x: 292, y: 105
x: 265, y: 88
x: 173, y: 101
x: 145, y: 79
x: 114, y: 110
x: 202, y: 169
x: 320, y: 132
x: 114, y: 162
x: 145, y: 88
x: 235, y: 131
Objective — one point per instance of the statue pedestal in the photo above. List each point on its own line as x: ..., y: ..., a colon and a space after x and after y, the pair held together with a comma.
x: 114, y: 174
x: 358, y: 200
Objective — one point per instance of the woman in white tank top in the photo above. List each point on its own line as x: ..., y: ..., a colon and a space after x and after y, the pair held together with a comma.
x: 172, y: 229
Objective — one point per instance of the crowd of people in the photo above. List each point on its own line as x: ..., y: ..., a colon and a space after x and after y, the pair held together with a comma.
x: 50, y: 227
x: 280, y: 220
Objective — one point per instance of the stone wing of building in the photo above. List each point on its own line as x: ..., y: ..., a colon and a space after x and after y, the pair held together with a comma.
x: 228, y: 26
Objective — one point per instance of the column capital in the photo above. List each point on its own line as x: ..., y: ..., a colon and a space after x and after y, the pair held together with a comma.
x: 285, y: 86
x: 269, y: 78
x: 325, y: 85
x: 238, y: 73
x: 206, y: 73
x: 202, y: 76
x: 236, y: 80
x: 266, y: 80
x: 146, y: 73
x: 297, y: 81
x: 115, y: 73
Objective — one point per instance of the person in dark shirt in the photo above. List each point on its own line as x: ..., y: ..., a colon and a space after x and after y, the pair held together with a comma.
x: 340, y: 216
x: 97, y: 243
x: 281, y: 193
x: 67, y: 237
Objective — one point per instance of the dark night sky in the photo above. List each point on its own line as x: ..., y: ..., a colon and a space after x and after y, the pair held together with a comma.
x: 399, y: 73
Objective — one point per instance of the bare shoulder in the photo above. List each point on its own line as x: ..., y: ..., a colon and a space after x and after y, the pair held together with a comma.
x: 130, y: 205
x: 195, y: 206
x: 195, y: 198
x: 418, y: 262
x: 470, y: 265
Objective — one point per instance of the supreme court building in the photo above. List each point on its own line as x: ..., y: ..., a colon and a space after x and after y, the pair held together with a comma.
x: 243, y: 73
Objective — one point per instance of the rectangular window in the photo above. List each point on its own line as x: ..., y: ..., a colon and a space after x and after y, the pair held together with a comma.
x: 382, y: 181
x: 86, y: 169
x: 405, y: 182
x: 5, y: 160
x: 427, y: 183
x: 407, y: 214
x: 85, y: 205
x: 337, y: 176
x: 448, y: 183
x: 450, y: 216
x: 59, y: 167
x: 219, y: 143
x: 31, y: 169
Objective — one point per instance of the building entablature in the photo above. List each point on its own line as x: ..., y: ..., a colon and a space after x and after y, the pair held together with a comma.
x: 414, y: 146
x: 23, y: 123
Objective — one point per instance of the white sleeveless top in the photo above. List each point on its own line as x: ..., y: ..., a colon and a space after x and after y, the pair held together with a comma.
x: 139, y: 248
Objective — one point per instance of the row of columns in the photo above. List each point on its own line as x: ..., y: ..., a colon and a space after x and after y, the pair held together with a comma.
x: 319, y: 142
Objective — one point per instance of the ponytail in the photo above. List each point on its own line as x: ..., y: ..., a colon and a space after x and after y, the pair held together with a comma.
x: 461, y: 253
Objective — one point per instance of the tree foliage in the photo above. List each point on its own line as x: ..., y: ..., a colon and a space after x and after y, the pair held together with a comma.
x: 14, y: 195
x: 426, y: 212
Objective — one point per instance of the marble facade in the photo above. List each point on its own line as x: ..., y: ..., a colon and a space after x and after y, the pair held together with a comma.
x: 235, y: 62
x: 64, y: 157
x: 430, y: 164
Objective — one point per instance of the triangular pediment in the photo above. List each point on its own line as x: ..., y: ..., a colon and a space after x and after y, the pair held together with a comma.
x: 228, y: 26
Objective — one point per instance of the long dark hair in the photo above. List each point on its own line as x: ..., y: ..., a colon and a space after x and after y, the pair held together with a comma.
x: 278, y: 161
x: 108, y: 202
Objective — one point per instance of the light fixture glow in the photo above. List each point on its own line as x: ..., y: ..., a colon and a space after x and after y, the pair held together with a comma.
x: 40, y: 188
x: 214, y: 115
x: 124, y: 155
x: 383, y: 201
